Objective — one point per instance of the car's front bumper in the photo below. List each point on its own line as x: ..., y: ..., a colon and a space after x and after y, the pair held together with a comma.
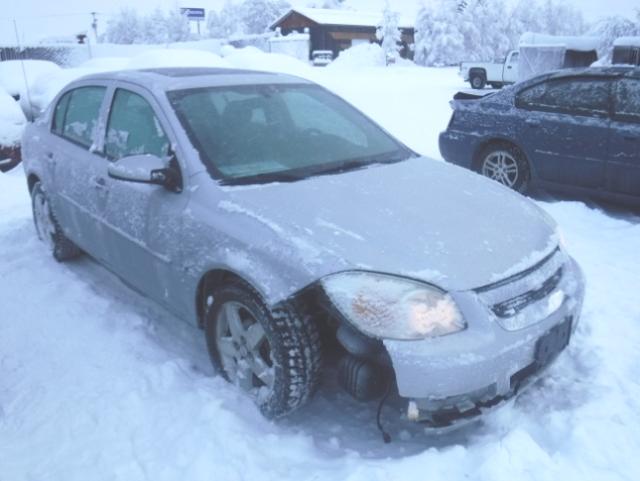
x: 459, y: 375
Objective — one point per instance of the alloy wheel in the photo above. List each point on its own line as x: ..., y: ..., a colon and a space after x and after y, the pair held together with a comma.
x: 45, y: 227
x: 502, y: 167
x: 244, y: 349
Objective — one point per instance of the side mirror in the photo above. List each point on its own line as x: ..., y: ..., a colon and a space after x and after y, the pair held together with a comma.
x: 145, y: 169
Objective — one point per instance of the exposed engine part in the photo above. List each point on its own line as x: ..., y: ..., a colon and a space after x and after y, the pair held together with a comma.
x: 358, y: 344
x: 362, y: 379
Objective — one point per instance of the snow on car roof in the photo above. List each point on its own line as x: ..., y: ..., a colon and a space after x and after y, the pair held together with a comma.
x: 581, y: 44
x: 352, y: 18
x: 627, y: 42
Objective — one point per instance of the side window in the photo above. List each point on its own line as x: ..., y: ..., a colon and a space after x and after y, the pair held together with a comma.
x: 60, y: 112
x: 514, y: 58
x: 580, y: 96
x: 627, y: 100
x: 77, y: 113
x: 133, y: 128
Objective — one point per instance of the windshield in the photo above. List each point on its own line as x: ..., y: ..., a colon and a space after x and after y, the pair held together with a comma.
x: 261, y: 133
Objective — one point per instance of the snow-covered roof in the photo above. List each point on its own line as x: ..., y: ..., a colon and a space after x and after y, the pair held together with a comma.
x: 581, y: 44
x: 351, y: 18
x: 627, y: 42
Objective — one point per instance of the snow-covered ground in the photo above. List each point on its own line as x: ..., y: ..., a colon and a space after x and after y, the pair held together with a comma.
x: 97, y: 383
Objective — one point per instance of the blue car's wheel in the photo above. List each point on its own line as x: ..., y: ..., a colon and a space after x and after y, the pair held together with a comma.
x: 506, y: 164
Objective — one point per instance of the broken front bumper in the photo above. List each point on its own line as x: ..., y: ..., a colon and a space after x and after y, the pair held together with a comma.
x: 459, y: 376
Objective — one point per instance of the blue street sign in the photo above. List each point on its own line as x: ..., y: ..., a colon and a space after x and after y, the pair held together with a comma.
x: 193, y: 13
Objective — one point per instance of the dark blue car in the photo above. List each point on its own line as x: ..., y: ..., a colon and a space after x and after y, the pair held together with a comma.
x: 576, y: 131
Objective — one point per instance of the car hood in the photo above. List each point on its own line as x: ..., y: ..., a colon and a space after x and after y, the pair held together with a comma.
x: 418, y: 218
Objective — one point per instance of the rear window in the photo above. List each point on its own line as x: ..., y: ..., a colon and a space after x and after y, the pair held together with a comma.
x: 627, y: 100
x: 580, y: 96
x: 76, y: 114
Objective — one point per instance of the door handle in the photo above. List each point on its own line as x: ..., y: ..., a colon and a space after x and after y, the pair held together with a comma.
x: 532, y: 123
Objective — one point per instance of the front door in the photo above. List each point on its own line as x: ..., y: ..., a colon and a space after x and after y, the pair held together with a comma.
x: 565, y: 129
x: 623, y: 168
x: 143, y: 222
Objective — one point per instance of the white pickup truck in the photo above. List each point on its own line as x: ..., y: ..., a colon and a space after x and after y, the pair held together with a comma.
x: 495, y: 74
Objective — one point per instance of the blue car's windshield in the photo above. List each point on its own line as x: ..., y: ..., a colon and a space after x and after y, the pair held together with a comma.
x: 262, y: 133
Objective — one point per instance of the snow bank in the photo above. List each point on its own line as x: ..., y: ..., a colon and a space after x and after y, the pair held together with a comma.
x: 157, y: 58
x: 46, y: 87
x: 364, y: 56
x: 254, y: 59
x: 12, y: 77
x: 12, y: 120
x: 106, y: 64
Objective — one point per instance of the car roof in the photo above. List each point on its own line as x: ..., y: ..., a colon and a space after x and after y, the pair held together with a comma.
x: 175, y: 78
x: 608, y: 71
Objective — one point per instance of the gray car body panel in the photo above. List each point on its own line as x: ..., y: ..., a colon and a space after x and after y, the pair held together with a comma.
x: 418, y: 218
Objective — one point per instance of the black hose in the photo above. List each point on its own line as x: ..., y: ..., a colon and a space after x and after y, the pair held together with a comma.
x: 385, y: 435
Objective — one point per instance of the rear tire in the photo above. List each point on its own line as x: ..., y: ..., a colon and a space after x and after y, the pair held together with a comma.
x: 477, y: 81
x: 48, y: 228
x: 507, y: 164
x: 272, y: 354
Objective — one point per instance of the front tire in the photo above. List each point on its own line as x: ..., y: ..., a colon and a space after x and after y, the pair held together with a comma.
x: 506, y: 164
x: 272, y: 354
x: 48, y: 228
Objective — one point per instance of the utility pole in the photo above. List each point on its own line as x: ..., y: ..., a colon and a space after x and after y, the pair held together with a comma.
x: 94, y: 24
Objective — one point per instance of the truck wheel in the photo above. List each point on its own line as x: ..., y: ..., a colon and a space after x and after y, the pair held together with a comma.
x: 272, y: 354
x: 477, y: 81
x: 507, y: 164
x: 47, y: 227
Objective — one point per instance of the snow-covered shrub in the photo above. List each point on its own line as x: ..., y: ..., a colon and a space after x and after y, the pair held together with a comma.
x: 389, y: 34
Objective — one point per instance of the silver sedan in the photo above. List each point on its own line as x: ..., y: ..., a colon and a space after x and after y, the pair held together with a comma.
x: 292, y: 229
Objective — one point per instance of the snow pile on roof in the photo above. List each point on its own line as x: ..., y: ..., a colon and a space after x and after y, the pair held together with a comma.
x: 581, y: 44
x: 157, y: 58
x: 627, y: 42
x: 255, y: 59
x: 12, y: 75
x: 12, y: 120
x: 354, y: 18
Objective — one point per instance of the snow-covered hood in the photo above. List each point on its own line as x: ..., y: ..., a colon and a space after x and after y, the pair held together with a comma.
x: 419, y: 218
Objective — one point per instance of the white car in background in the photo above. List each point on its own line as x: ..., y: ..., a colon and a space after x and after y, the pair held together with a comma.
x: 497, y: 74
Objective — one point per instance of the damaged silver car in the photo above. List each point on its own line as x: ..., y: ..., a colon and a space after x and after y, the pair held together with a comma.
x: 291, y: 228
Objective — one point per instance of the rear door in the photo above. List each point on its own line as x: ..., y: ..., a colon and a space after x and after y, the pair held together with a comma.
x: 79, y: 173
x: 623, y: 168
x: 565, y: 130
x: 143, y: 223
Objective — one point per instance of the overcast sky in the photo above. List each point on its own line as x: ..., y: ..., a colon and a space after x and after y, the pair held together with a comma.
x: 46, y: 18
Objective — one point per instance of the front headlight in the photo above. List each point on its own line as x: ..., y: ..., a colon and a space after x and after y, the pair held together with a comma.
x: 390, y: 307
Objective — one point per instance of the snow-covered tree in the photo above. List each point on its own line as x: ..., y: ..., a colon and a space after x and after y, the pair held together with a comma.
x: 177, y: 26
x: 258, y: 15
x: 124, y: 27
x: 439, y: 41
x: 227, y: 23
x: 389, y: 33
x: 153, y: 28
x: 333, y: 4
x: 611, y: 28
